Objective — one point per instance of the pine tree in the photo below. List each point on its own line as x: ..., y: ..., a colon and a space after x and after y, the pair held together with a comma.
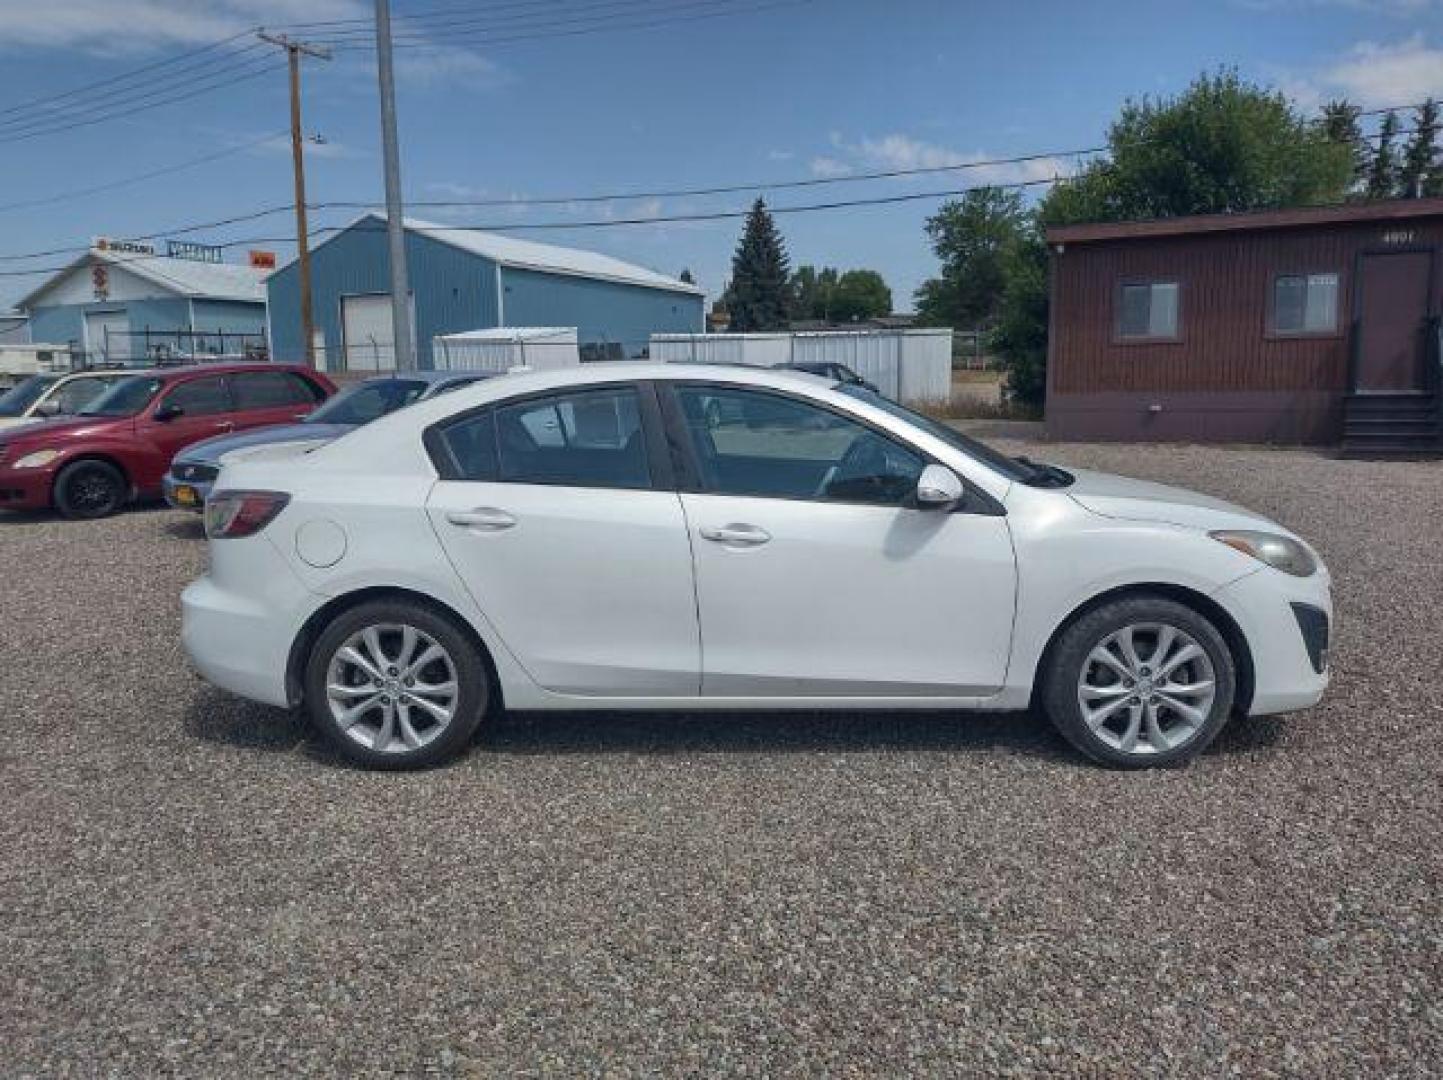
x: 1420, y: 160
x: 1340, y: 125
x: 759, y: 298
x: 1383, y: 172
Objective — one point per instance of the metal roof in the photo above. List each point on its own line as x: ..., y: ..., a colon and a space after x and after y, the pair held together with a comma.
x: 1298, y: 217
x: 184, y: 277
x: 529, y: 255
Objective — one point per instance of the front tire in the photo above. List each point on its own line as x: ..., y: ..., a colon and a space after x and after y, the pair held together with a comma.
x: 1140, y: 682
x: 396, y: 685
x: 86, y: 490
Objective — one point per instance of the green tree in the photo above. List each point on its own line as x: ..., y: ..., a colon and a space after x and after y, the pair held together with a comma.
x: 1020, y: 336
x: 1383, y: 172
x: 968, y: 236
x: 758, y: 298
x: 1419, y: 171
x: 860, y: 294
x: 1341, y: 126
x: 811, y: 291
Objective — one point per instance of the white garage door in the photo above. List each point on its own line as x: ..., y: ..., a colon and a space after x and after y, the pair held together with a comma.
x: 367, y: 332
x: 105, y: 347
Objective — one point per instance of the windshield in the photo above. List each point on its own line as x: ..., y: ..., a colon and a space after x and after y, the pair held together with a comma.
x: 125, y: 398
x: 25, y: 394
x: 1013, y: 469
x: 366, y: 401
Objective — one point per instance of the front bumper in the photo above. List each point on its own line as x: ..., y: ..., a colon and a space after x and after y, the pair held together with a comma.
x: 173, y: 490
x: 26, y: 489
x: 1280, y: 616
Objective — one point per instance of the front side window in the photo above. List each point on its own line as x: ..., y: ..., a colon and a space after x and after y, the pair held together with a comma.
x: 201, y: 397
x: 1305, y: 303
x: 592, y: 438
x: 749, y: 442
x: 1148, y: 310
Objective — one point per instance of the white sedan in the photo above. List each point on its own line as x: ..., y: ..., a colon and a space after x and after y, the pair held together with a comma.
x: 648, y: 536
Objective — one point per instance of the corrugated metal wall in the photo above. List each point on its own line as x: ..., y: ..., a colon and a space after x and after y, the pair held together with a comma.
x: 601, y: 311
x: 1226, y: 363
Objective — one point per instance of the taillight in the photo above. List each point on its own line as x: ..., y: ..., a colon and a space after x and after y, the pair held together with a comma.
x: 230, y: 515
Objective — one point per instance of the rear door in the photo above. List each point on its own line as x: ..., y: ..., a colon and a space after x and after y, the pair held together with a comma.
x: 263, y: 398
x: 815, y: 574
x: 560, y: 513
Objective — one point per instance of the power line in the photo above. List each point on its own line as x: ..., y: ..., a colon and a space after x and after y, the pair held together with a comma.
x: 441, y: 12
x: 215, y: 80
x: 414, y: 27
x: 164, y: 170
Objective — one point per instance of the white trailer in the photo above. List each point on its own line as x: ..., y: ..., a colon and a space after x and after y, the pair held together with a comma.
x: 910, y: 366
x: 502, y: 348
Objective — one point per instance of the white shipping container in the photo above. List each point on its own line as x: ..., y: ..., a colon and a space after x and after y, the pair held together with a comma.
x: 910, y: 366
x: 503, y: 348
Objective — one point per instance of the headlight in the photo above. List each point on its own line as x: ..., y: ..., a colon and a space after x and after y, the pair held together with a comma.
x: 38, y: 459
x: 1279, y: 552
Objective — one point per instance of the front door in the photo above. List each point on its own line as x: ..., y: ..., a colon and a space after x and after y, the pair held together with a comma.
x: 556, y: 514
x: 816, y: 576
x: 1392, y: 319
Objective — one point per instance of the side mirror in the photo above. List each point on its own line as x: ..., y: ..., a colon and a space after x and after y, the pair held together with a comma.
x: 167, y: 412
x: 938, y: 488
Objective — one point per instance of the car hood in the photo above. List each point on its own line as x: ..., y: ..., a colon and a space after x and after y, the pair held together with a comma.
x: 210, y: 451
x: 1141, y: 500
x: 65, y: 428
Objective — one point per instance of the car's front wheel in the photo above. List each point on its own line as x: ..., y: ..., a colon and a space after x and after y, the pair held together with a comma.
x: 1139, y: 682
x: 90, y: 489
x: 396, y: 685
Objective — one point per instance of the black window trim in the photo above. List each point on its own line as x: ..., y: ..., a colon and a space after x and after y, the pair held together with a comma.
x: 688, y: 471
x: 658, y: 457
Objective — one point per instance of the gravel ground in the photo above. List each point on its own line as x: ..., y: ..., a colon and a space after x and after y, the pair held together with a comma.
x: 193, y: 885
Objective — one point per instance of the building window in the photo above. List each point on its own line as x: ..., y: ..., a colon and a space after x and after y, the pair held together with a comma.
x: 1305, y: 304
x: 1148, y: 311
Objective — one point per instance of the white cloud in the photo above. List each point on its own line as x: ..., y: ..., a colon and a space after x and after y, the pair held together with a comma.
x: 1373, y: 75
x: 900, y: 152
x: 126, y: 26
x: 326, y: 149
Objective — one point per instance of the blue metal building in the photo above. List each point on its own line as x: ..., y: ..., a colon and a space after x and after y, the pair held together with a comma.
x: 464, y: 279
x: 127, y: 303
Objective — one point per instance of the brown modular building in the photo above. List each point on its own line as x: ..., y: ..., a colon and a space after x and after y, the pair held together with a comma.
x: 1317, y: 325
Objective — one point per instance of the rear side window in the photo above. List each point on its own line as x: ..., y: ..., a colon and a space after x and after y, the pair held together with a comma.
x: 271, y: 390
x: 201, y: 397
x: 588, y: 439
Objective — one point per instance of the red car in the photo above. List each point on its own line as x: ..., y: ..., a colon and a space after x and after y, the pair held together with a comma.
x: 118, y: 449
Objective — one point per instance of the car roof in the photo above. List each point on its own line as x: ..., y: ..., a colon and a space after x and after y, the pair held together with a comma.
x: 170, y: 374
x: 431, y: 376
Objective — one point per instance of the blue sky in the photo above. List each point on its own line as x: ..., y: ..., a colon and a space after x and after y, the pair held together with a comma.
x: 815, y: 89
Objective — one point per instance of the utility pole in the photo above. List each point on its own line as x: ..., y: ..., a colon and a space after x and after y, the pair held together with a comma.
x: 395, y: 220
x: 294, y: 51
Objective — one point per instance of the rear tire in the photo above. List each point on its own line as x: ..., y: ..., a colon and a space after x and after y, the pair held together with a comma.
x: 1140, y: 682
x: 396, y: 685
x: 86, y: 490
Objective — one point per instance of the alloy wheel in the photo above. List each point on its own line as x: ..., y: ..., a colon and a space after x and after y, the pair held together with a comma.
x: 392, y: 688
x: 1147, y: 688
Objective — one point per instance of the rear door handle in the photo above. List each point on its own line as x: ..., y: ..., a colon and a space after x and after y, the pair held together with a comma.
x: 741, y: 535
x: 482, y: 519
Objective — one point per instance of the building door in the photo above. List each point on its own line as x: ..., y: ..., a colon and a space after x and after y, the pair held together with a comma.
x: 367, y: 333
x: 1392, y: 319
x: 107, y: 336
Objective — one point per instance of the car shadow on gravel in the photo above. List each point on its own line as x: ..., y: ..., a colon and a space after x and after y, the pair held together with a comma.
x: 217, y: 717
x: 190, y: 527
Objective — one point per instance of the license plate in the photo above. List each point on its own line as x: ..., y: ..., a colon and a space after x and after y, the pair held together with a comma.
x: 187, y: 495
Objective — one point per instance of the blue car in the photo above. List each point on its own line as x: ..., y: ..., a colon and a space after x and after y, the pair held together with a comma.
x: 195, y: 468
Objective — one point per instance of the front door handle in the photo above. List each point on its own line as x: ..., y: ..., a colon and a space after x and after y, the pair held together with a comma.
x: 741, y: 535
x: 483, y: 519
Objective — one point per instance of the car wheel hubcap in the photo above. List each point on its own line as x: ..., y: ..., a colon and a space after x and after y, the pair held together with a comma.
x: 392, y: 688
x: 1146, y: 689
x: 91, y: 491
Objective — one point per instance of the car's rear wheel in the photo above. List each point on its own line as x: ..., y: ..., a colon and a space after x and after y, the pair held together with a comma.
x: 89, y: 489
x: 396, y: 685
x: 1140, y: 682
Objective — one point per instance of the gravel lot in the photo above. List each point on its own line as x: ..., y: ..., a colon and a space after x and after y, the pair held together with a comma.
x: 193, y: 885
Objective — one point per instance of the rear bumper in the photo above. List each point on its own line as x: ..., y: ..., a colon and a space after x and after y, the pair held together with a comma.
x: 26, y: 489
x: 1286, y: 651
